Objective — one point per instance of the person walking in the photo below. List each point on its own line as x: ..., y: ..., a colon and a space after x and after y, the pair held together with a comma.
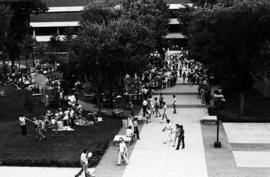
x: 184, y: 75
x: 148, y: 115
x: 174, y: 104
x: 136, y: 128
x: 164, y: 115
x: 168, y: 132
x: 123, y: 153
x: 22, y: 123
x: 161, y: 100
x: 181, y: 138
x: 176, y: 134
x: 84, y: 163
x: 152, y: 105
x: 157, y: 108
x: 38, y: 129
x: 130, y: 122
x: 144, y: 104
x: 180, y: 71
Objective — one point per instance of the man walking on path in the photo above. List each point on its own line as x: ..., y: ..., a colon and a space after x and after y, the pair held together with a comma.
x: 181, y: 138
x: 145, y: 103
x: 160, y: 100
x: 84, y: 163
x: 168, y: 132
x: 164, y: 115
x: 157, y: 108
x: 123, y: 153
x: 136, y: 128
x: 174, y: 104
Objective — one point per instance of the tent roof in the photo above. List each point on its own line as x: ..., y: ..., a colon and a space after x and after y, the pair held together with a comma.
x: 41, y: 80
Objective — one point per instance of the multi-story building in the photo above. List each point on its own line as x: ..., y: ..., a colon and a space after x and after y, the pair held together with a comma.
x: 67, y: 13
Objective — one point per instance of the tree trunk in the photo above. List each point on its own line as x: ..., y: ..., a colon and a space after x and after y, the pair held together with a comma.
x: 242, y: 103
x: 99, y: 101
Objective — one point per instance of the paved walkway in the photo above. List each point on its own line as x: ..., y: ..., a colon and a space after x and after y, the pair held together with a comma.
x: 38, y: 172
x: 151, y: 157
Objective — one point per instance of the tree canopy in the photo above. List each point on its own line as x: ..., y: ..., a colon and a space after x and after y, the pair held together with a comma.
x: 230, y: 39
x: 19, y: 23
x: 5, y: 15
x: 113, y: 41
x: 120, y: 37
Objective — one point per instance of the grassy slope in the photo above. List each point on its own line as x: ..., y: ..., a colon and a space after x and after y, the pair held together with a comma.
x: 61, y: 149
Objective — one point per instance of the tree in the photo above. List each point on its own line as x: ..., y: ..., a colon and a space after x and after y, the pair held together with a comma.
x: 115, y: 41
x: 212, y: 3
x: 19, y: 24
x: 107, y: 53
x: 27, y: 47
x: 155, y: 15
x: 53, y: 45
x: 5, y: 15
x: 68, y: 40
x: 100, y: 13
x: 230, y: 39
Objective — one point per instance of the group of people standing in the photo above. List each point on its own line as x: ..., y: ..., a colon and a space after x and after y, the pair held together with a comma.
x: 152, y: 107
x: 51, y: 120
x: 174, y: 134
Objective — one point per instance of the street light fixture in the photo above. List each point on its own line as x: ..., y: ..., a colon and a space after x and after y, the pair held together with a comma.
x: 217, y: 143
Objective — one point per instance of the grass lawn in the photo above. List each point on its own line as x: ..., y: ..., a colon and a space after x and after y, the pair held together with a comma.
x: 256, y: 108
x: 61, y: 149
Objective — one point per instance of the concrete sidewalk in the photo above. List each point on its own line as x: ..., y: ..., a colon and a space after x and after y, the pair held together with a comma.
x: 151, y: 157
x: 39, y: 172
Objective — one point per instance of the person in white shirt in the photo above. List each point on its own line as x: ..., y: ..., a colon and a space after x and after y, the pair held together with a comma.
x: 130, y: 133
x: 84, y: 163
x: 123, y: 153
x: 66, y: 118
x: 168, y: 132
x: 164, y: 115
x: 22, y: 123
x: 144, y: 107
x: 130, y: 122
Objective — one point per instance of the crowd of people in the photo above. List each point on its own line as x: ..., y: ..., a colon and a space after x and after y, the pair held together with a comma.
x: 176, y: 65
x: 192, y: 73
x: 62, y: 119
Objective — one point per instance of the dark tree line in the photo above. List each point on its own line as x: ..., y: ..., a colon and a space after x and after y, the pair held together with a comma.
x: 232, y: 39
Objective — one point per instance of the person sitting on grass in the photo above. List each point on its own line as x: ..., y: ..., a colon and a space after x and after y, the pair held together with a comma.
x: 66, y: 118
x: 53, y: 124
x: 79, y: 110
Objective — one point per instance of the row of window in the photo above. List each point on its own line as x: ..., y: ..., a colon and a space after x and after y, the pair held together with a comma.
x: 54, y: 30
x: 64, y: 30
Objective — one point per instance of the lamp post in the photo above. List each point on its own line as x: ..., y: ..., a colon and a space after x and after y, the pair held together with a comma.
x: 217, y: 143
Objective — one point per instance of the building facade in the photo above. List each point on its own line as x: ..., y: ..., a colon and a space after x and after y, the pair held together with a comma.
x: 63, y: 14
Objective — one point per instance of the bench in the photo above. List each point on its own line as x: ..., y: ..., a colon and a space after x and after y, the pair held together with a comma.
x: 127, y: 140
x: 140, y: 118
x: 209, y: 120
x: 36, y: 94
x: 118, y: 112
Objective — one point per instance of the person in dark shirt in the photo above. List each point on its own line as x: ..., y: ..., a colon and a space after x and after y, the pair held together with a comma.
x: 181, y: 138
